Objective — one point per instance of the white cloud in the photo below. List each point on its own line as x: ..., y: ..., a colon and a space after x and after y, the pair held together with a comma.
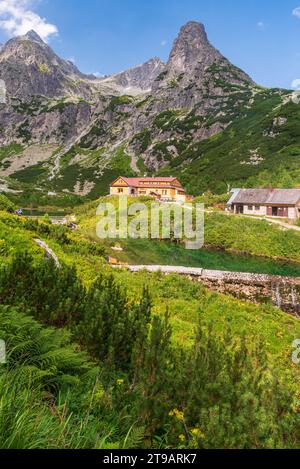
x: 296, y: 84
x: 261, y: 26
x: 98, y: 74
x: 17, y: 18
x: 296, y: 12
x: 72, y: 60
x: 164, y: 43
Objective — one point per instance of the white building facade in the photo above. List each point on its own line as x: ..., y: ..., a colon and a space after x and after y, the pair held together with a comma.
x: 277, y: 203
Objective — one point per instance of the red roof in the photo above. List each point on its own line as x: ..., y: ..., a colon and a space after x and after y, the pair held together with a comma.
x: 142, y: 182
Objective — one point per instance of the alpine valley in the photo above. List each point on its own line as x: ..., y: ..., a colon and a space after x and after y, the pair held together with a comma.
x: 68, y: 135
x: 117, y: 343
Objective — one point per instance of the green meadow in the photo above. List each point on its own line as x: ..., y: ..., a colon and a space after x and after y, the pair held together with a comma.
x: 99, y: 358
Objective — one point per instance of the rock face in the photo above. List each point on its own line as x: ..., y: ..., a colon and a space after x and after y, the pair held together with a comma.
x: 33, y: 36
x: 196, y: 69
x: 192, y: 48
x: 30, y: 67
x: 283, y: 292
x: 140, y: 78
x: 152, y: 114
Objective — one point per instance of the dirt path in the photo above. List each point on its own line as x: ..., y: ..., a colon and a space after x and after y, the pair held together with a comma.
x: 280, y: 223
x: 50, y: 254
x: 287, y: 226
x: 273, y: 221
x: 208, y: 273
x: 133, y: 164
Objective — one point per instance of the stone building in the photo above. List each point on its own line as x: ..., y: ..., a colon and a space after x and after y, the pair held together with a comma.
x: 282, y: 203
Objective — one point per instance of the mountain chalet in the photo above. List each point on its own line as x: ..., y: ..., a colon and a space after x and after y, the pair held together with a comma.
x: 162, y: 188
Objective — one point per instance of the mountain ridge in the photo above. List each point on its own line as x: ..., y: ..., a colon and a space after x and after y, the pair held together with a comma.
x: 153, y: 117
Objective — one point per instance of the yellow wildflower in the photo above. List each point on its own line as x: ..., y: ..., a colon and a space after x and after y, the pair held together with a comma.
x: 120, y: 382
x: 181, y: 437
x: 198, y: 433
x: 178, y: 414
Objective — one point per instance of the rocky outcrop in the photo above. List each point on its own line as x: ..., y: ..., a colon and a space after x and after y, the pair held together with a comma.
x: 139, y: 79
x: 156, y: 110
x: 29, y: 67
x: 191, y: 49
x: 188, y: 100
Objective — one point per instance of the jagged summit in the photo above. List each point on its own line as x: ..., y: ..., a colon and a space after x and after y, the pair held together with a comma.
x: 37, y: 70
x: 159, y: 111
x: 140, y: 77
x: 191, y: 47
x: 194, y: 28
x: 33, y: 36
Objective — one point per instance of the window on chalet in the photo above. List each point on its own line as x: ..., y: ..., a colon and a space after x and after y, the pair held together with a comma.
x: 250, y: 207
x: 120, y: 191
x: 257, y: 207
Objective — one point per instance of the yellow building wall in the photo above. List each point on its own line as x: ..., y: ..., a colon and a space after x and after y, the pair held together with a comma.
x: 116, y: 191
x: 168, y: 193
x: 163, y: 192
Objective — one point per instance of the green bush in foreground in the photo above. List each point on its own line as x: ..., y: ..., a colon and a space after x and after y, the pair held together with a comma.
x: 209, y: 199
x: 6, y: 205
x: 139, y: 390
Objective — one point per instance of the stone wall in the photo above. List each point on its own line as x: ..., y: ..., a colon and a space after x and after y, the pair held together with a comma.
x: 283, y: 292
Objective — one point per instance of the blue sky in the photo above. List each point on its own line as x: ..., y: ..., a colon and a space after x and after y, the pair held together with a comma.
x: 106, y: 36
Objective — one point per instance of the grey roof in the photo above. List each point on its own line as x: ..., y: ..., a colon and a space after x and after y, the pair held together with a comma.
x: 267, y: 196
x: 234, y: 193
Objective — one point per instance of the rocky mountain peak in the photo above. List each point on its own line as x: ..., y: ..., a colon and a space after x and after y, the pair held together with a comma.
x: 194, y: 30
x: 46, y: 100
x: 33, y: 36
x: 155, y: 60
x: 21, y: 47
x: 137, y: 78
x: 191, y: 47
x: 37, y: 70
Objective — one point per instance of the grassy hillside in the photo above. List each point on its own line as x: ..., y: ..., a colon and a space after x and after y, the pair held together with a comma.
x: 113, y: 387
x: 233, y: 234
x: 73, y: 249
x: 259, y: 148
x: 183, y: 297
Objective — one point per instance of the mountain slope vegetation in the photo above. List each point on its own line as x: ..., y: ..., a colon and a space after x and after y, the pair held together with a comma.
x: 146, y: 360
x: 100, y: 358
x: 70, y: 135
